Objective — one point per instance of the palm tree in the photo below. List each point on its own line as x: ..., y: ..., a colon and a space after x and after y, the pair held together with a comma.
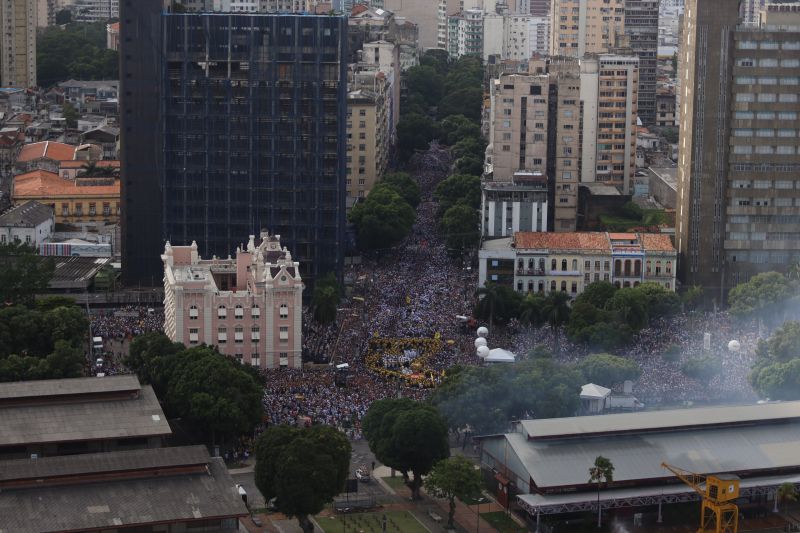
x: 556, y: 310
x: 489, y: 296
x: 786, y: 492
x: 794, y: 272
x: 531, y: 309
x: 92, y: 169
x: 601, y: 472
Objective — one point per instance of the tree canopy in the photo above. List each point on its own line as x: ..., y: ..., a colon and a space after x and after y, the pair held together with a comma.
x: 77, y: 50
x: 383, y: 219
x: 42, y: 343
x: 460, y: 225
x: 23, y: 273
x: 763, y: 296
x: 486, y: 398
x: 776, y: 374
x: 458, y: 189
x: 451, y: 478
x: 608, y: 370
x: 302, y: 468
x: 702, y: 368
x: 406, y: 435
x: 212, y: 393
x: 325, y: 299
x: 403, y: 185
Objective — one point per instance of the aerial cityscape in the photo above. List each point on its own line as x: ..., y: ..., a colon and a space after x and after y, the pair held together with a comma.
x: 370, y: 266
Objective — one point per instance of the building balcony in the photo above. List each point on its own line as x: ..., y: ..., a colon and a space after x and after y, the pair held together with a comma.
x: 531, y: 272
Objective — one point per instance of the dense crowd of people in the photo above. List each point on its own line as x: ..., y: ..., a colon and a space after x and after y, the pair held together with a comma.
x: 421, y: 290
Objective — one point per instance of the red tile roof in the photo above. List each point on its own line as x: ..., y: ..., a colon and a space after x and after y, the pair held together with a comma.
x: 49, y: 149
x: 44, y: 184
x: 562, y: 241
x: 657, y: 242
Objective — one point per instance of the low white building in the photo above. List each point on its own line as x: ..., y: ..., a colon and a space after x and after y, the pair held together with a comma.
x: 31, y: 223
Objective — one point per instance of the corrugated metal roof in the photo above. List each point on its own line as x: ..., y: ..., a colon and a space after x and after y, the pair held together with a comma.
x: 556, y: 463
x: 581, y: 426
x: 59, y: 387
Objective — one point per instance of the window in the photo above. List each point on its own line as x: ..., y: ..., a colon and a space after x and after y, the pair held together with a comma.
x: 766, y: 97
x: 785, y: 150
x: 574, y: 287
x: 765, y: 132
x: 553, y: 286
x: 574, y: 265
x: 745, y: 97
x: 194, y: 338
x: 254, y: 360
x: 743, y: 115
x: 563, y: 265
x: 255, y: 311
x: 222, y: 335
x: 791, y: 45
x: 284, y: 334
x: 238, y: 311
x: 789, y: 80
x: 769, y: 45
x: 238, y: 334
x: 765, y: 149
x: 742, y: 132
x: 746, y: 80
x: 587, y: 265
x: 506, y: 148
x: 79, y: 209
x: 284, y: 311
x: 791, y: 63
x: 597, y: 265
x: 553, y: 264
x: 741, y: 149
x: 563, y: 286
x: 787, y: 132
x: 787, y: 115
x: 222, y: 311
x: 106, y: 209
x: 786, y: 98
x: 64, y: 210
x: 92, y: 209
x: 193, y: 312
x: 255, y: 334
x: 768, y: 62
x: 767, y: 80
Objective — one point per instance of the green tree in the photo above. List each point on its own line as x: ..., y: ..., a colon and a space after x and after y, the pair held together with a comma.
x: 630, y: 305
x: 702, y: 368
x: 63, y: 16
x: 77, y: 50
x: 470, y: 146
x: 661, y: 302
x: 777, y: 381
x: 783, y: 345
x: 326, y: 299
x: 692, y: 297
x: 608, y: 370
x: 460, y: 225
x: 496, y: 303
x: 425, y: 81
x: 408, y: 436
x: 23, y: 273
x: 458, y: 189
x: 556, y: 310
x: 596, y: 294
x: 467, y: 102
x: 451, y: 478
x: 455, y: 128
x: 670, y: 134
x: 601, y: 472
x: 786, y: 492
x: 92, y: 169
x: 66, y: 361
x: 469, y: 164
x: 414, y: 132
x: 382, y: 220
x: 762, y: 296
x: 52, y: 302
x: 148, y: 356
x: 212, y: 393
x: 403, y: 185
x: 531, y: 309
x: 302, y: 468
x: 70, y: 115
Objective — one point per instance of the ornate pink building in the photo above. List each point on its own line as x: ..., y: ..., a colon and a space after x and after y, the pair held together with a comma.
x: 249, y: 307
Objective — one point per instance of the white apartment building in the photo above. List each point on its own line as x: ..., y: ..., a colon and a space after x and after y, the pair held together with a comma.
x: 524, y: 36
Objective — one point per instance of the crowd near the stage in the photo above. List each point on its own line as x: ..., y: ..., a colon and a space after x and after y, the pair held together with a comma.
x: 418, y: 290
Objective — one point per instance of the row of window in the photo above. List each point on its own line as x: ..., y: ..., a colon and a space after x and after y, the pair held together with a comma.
x: 238, y: 335
x: 767, y: 62
x: 238, y: 311
x: 763, y: 184
x: 574, y: 284
x: 768, y: 45
x: 767, y: 97
x: 65, y: 212
x: 765, y: 115
x: 765, y: 132
x: 781, y: 149
x: 627, y: 266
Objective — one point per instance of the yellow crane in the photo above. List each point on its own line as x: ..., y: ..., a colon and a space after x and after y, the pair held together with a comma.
x: 718, y: 491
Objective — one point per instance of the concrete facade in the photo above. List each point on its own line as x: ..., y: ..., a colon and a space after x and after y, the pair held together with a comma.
x: 579, y: 27
x: 18, y: 43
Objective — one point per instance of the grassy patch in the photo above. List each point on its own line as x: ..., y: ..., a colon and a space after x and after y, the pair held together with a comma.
x: 396, y: 483
x: 502, y: 523
x: 396, y: 521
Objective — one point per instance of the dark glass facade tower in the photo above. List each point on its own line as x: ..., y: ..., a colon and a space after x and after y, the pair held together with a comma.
x: 252, y: 133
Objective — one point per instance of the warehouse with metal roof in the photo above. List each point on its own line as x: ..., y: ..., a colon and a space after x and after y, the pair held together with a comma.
x: 542, y: 466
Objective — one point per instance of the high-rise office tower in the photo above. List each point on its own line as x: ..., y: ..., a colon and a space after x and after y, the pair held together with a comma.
x: 18, y: 43
x: 641, y: 36
x: 585, y: 26
x: 246, y: 117
x: 738, y: 199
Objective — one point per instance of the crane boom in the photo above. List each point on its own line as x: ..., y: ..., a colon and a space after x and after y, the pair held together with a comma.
x: 695, y: 481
